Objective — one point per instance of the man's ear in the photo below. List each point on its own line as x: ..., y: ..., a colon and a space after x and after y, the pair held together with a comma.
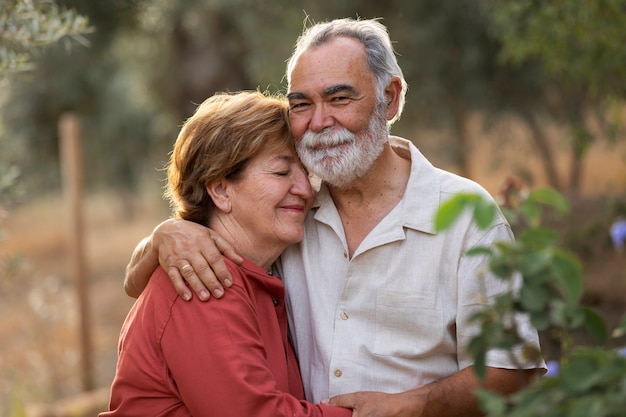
x: 392, y: 97
x: 218, y: 191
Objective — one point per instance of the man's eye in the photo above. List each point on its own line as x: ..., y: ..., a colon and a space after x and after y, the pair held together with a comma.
x: 298, y: 106
x: 282, y: 173
x: 340, y: 101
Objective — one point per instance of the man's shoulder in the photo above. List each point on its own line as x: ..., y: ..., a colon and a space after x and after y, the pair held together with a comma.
x: 452, y: 183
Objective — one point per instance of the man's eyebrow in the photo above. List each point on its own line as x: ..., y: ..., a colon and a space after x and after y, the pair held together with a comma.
x: 296, y: 96
x: 339, y: 88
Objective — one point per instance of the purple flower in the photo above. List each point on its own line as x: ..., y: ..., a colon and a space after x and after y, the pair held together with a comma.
x: 618, y: 234
x: 553, y: 368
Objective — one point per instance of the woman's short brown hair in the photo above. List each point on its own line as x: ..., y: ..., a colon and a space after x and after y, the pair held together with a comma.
x: 225, y: 132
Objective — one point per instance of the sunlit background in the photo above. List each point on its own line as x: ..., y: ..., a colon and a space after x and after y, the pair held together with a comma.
x: 497, y: 90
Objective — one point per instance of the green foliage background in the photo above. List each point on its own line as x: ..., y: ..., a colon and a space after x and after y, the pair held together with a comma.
x: 143, y: 65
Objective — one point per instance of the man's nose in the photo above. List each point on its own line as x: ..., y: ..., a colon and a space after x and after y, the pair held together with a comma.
x: 321, y: 118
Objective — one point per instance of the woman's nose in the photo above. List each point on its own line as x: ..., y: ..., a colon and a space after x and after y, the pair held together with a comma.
x: 302, y: 185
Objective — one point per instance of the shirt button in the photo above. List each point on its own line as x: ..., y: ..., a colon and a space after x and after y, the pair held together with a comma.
x: 344, y: 315
x: 338, y: 373
x: 275, y: 301
x: 345, y: 254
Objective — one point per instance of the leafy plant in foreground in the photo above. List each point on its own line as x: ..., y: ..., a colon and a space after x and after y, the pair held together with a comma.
x: 591, y: 381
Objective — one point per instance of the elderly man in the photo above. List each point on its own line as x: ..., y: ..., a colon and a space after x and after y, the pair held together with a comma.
x: 378, y: 300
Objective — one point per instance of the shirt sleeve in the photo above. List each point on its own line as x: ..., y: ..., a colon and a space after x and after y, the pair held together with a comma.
x: 477, y: 288
x: 216, y: 358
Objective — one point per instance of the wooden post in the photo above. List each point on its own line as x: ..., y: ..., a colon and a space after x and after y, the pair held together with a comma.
x: 72, y: 168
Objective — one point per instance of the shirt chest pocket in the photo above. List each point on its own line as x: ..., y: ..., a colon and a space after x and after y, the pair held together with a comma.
x: 408, y: 324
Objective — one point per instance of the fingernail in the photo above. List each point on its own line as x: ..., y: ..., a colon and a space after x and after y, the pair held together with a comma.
x: 186, y: 296
x: 218, y: 293
x: 204, y: 295
x: 228, y: 282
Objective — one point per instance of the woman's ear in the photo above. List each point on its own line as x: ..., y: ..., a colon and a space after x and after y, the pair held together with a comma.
x: 218, y: 191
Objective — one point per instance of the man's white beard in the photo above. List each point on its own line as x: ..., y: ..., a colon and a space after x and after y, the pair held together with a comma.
x: 339, y: 156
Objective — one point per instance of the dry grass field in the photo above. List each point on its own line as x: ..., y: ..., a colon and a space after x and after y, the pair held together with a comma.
x: 39, y: 352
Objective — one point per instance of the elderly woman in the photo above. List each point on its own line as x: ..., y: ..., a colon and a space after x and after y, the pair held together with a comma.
x: 234, y: 169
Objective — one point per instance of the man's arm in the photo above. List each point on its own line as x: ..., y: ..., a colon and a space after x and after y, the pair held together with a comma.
x: 142, y: 263
x: 451, y: 396
x: 174, y: 244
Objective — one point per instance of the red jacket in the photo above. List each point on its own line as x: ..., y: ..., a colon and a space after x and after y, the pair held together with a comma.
x: 227, y: 357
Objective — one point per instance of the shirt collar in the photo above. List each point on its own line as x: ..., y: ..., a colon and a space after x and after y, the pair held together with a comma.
x: 423, y: 190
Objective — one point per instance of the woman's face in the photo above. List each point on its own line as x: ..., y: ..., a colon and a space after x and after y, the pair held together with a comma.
x: 271, y: 199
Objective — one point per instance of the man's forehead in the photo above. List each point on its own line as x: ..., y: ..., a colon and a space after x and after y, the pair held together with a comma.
x: 327, y: 81
x: 336, y: 59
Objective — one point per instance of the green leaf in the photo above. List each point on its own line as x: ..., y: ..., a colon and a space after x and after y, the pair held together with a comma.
x: 484, y: 213
x: 587, y: 406
x: 491, y: 403
x: 566, y: 315
x: 567, y: 272
x: 533, y: 298
x: 539, y: 237
x: 549, y: 197
x: 449, y: 211
x: 540, y: 320
x: 500, y: 267
x: 477, y: 343
x: 531, y: 211
x: 595, y: 325
x: 479, y: 250
x: 477, y: 348
x: 480, y: 367
x: 533, y: 262
x: 576, y: 374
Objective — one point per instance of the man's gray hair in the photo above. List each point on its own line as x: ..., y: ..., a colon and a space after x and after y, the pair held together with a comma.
x: 381, y: 58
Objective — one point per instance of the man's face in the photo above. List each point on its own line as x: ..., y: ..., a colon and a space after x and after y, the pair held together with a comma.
x: 334, y: 116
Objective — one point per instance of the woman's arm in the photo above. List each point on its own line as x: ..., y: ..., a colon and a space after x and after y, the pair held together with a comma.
x: 174, y: 244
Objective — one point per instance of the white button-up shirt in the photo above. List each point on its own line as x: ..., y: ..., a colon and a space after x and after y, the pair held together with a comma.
x: 394, y: 316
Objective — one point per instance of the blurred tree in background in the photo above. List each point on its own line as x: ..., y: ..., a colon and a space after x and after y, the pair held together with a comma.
x: 150, y: 62
x: 27, y: 28
x: 578, y: 49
